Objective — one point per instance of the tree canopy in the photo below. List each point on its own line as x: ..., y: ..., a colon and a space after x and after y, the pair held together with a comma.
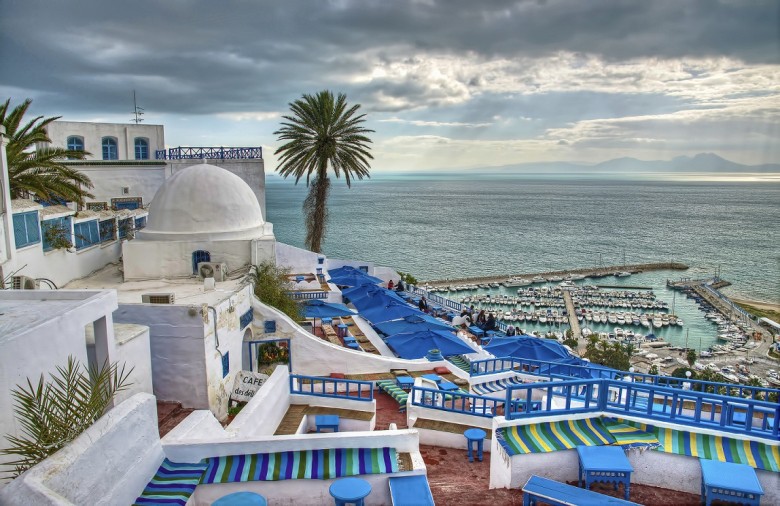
x: 322, y: 133
x: 35, y: 171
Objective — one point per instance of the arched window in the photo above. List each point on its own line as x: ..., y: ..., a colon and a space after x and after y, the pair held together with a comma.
x: 76, y: 143
x: 109, y: 149
x: 141, y: 148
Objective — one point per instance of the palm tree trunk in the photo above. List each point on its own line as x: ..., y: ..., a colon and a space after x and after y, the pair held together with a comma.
x: 316, y: 211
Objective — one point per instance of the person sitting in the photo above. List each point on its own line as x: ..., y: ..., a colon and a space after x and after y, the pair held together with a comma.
x: 423, y: 305
x: 400, y: 286
x: 481, y: 319
x: 390, y: 285
x: 510, y: 331
x: 490, y: 323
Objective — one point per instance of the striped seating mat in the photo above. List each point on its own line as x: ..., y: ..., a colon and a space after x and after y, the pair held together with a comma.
x: 308, y: 464
x: 394, y: 391
x: 630, y: 437
x: 172, y: 484
x: 495, y: 386
x: 553, y: 436
x: 724, y: 449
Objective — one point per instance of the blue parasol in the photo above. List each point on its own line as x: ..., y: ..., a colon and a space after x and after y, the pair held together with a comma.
x: 412, y: 323
x: 390, y: 311
x: 411, y: 345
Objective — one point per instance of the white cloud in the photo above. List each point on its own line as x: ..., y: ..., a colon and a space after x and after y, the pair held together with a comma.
x: 434, y: 123
x: 249, y: 116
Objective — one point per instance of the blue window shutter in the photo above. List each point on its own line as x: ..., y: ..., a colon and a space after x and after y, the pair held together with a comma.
x: 33, y: 232
x: 20, y: 230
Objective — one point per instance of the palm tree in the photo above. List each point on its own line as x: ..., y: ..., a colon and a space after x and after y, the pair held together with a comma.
x: 322, y: 132
x: 39, y: 172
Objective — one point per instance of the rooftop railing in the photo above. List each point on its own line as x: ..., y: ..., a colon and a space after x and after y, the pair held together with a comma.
x: 332, y: 387
x: 756, y: 417
x: 455, y: 402
x: 552, y: 370
x: 208, y: 153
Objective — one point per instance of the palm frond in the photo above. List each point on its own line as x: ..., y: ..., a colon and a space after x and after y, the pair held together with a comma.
x: 321, y: 133
x: 51, y: 414
x: 39, y: 171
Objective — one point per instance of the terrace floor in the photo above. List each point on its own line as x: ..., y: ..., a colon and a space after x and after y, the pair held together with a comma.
x: 455, y: 480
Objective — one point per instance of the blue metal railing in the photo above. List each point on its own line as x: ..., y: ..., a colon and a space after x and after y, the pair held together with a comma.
x: 308, y: 295
x: 565, y: 371
x: 728, y: 301
x: 444, y: 301
x: 331, y: 387
x: 455, y: 402
x: 210, y: 153
x: 653, y: 402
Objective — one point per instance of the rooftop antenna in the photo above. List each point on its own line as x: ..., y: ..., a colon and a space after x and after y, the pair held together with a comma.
x: 137, y: 111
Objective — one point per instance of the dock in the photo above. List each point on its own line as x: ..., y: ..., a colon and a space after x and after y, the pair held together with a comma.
x: 573, y: 323
x: 588, y: 271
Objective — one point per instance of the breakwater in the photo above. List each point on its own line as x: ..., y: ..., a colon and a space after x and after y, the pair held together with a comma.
x: 588, y: 271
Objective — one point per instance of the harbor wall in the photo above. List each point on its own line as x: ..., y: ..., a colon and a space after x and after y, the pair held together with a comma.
x: 587, y: 270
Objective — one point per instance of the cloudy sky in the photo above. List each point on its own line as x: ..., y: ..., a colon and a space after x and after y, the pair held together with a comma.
x: 445, y: 84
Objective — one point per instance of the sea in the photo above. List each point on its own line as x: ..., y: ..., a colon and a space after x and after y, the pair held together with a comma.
x: 469, y: 224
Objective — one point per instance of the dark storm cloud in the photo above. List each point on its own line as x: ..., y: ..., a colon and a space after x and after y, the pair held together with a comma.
x: 203, y: 57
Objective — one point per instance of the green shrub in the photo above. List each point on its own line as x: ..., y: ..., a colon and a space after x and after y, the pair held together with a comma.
x: 272, y: 287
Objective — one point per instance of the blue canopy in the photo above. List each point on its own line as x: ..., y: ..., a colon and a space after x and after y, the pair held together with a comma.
x: 588, y: 370
x: 411, y: 345
x: 320, y: 309
x: 530, y: 347
x: 412, y: 323
x: 368, y: 296
x: 349, y: 276
x: 391, y: 311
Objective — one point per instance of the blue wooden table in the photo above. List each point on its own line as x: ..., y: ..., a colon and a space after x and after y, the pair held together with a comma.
x: 405, y: 382
x: 433, y: 377
x: 475, y: 437
x: 726, y: 481
x: 607, y: 464
x: 350, y: 490
x: 327, y: 422
x: 478, y: 332
x: 448, y: 386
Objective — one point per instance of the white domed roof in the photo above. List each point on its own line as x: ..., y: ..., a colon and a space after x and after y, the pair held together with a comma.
x: 203, y: 202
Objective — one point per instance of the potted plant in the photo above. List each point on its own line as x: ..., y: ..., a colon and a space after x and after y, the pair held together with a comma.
x: 434, y: 355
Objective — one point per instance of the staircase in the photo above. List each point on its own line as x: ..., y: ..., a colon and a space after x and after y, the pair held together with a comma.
x: 459, y: 362
x: 169, y: 415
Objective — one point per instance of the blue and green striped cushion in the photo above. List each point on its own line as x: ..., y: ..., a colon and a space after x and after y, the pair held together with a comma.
x: 172, y: 484
x: 394, y: 391
x: 309, y: 464
x: 553, y: 436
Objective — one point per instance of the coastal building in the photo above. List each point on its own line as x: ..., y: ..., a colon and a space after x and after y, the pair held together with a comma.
x: 184, y: 294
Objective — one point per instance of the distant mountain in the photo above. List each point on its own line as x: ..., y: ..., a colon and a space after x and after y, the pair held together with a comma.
x: 703, y: 162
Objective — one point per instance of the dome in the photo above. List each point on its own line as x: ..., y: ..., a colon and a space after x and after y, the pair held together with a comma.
x: 203, y: 202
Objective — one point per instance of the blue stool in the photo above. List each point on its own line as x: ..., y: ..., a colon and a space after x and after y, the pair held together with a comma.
x: 241, y: 499
x: 475, y: 438
x: 350, y: 490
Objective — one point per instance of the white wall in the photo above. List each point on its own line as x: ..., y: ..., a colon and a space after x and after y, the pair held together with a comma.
x: 110, y: 463
x: 141, y: 180
x: 93, y: 134
x: 317, y: 357
x: 298, y: 259
x: 263, y: 413
x: 132, y: 352
x: 45, y: 345
x: 176, y: 341
x: 6, y: 228
x: 231, y: 341
x: 171, y: 259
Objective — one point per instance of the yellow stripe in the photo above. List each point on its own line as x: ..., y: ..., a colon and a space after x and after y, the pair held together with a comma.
x: 719, y: 448
x: 597, y: 433
x: 694, y: 444
x: 775, y: 454
x: 539, y: 439
x: 668, y: 443
x: 561, y: 437
x: 748, y: 453
x: 519, y: 441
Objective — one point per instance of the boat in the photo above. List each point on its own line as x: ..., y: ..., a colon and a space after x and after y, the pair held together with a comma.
x: 538, y: 279
x: 622, y: 274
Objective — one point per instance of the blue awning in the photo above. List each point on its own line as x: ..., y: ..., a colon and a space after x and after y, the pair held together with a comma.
x: 411, y: 345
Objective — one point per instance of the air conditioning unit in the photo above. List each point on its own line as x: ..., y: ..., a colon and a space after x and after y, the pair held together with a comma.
x: 218, y: 271
x: 157, y: 298
x: 25, y: 283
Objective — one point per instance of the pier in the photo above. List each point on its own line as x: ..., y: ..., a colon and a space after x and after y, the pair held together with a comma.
x: 589, y: 271
x: 573, y: 323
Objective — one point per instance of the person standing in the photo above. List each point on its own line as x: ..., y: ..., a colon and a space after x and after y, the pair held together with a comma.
x: 390, y: 285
